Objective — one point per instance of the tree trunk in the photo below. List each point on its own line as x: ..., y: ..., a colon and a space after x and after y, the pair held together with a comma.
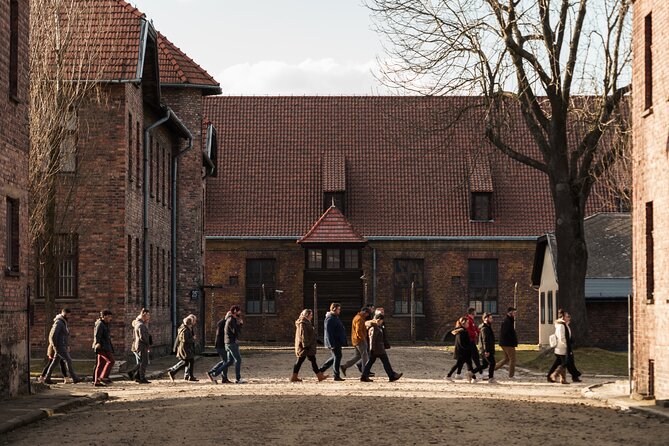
x: 572, y: 258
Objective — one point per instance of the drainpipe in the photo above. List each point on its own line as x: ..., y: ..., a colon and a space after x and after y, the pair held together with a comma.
x: 173, y: 260
x: 374, y: 276
x: 145, y: 211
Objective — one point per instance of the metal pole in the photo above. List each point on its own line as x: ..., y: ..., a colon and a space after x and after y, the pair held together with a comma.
x: 316, y: 310
x: 413, y: 312
x: 262, y: 312
x: 629, y: 341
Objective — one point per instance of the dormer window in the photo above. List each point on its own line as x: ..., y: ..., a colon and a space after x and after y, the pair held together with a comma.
x: 336, y: 198
x: 481, y: 206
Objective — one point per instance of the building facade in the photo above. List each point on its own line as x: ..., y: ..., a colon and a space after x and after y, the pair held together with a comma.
x: 14, y: 149
x: 131, y: 201
x: 650, y: 113
x: 443, y: 219
x: 608, y: 281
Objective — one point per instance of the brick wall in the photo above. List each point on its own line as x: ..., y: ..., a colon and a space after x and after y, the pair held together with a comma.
x: 445, y: 299
x: 14, y: 146
x: 651, y: 183
x: 608, y: 324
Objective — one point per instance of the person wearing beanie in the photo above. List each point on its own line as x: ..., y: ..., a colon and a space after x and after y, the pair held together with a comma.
x: 378, y: 346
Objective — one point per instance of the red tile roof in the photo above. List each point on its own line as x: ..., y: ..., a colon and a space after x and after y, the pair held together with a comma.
x: 334, y: 172
x: 177, y: 68
x: 109, y: 32
x: 332, y: 227
x: 406, y: 161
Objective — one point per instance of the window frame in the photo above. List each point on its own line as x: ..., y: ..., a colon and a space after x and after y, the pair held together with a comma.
x: 13, y: 237
x: 252, y: 306
x: 60, y: 257
x: 648, y: 61
x: 542, y: 307
x: 13, y: 69
x: 483, y: 305
x: 475, y: 197
x: 550, y: 307
x: 402, y: 289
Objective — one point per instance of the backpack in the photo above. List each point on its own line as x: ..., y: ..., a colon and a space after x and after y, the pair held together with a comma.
x: 553, y: 340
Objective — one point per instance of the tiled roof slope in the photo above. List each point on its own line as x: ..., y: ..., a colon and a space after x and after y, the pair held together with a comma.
x: 177, y: 68
x: 334, y: 172
x: 332, y: 227
x: 105, y: 42
x: 406, y: 167
x: 108, y: 33
x: 609, y: 240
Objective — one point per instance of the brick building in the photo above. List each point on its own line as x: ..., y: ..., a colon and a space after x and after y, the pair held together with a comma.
x: 14, y: 147
x: 650, y: 113
x: 132, y: 231
x: 420, y: 197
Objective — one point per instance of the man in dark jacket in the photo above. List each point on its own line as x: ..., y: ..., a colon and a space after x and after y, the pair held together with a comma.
x: 508, y: 340
x: 335, y: 339
x: 487, y: 348
x: 102, y: 345
x: 59, y: 337
x: 378, y: 346
x: 227, y: 333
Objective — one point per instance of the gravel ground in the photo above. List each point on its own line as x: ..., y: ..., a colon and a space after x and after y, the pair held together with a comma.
x: 419, y: 409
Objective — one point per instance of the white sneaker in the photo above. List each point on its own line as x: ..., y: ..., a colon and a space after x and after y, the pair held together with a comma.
x: 449, y: 379
x: 512, y: 378
x: 240, y: 381
x: 492, y: 381
x: 458, y: 376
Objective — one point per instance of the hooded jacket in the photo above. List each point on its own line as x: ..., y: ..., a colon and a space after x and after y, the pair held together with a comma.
x: 102, y: 336
x: 462, y: 343
x: 487, y: 339
x: 377, y: 337
x: 59, y: 336
x: 334, y: 332
x: 305, y: 338
x: 185, y: 344
x: 562, y: 333
x: 141, y: 335
x: 472, y: 329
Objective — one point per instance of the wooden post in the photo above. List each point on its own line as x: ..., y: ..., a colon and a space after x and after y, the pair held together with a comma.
x: 413, y: 312
x: 316, y: 310
x: 262, y: 312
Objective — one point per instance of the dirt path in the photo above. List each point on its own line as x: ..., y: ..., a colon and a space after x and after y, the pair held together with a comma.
x: 419, y: 409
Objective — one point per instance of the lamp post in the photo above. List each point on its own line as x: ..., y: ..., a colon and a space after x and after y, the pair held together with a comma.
x: 413, y: 312
x: 262, y: 312
x: 316, y: 310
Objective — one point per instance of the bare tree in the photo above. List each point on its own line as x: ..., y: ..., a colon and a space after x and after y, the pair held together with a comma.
x: 536, y: 60
x: 66, y: 48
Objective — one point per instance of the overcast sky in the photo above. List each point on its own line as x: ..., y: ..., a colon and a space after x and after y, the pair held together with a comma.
x: 287, y: 47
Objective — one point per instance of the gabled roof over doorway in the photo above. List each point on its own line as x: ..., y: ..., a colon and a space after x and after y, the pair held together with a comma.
x: 332, y: 227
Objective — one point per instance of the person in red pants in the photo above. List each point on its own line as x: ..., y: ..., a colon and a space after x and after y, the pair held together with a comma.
x: 104, y: 349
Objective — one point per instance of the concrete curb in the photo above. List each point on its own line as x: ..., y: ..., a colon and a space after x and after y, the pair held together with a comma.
x: 623, y: 402
x: 40, y: 414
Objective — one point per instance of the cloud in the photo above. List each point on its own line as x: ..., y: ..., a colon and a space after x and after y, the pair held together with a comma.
x: 311, y: 77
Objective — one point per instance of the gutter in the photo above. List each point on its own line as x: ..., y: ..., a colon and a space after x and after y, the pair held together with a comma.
x: 381, y: 238
x: 215, y: 89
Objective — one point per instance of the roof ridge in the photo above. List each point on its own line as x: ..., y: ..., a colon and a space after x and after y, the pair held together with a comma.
x: 130, y: 8
x: 330, y: 210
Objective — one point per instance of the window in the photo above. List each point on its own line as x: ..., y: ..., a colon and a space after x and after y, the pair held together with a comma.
x: 481, y: 206
x: 338, y: 198
x: 138, y: 154
x: 130, y: 147
x: 13, y: 49
x: 159, y: 172
x: 648, y: 60
x: 333, y: 260
x: 68, y: 143
x: 650, y: 263
x: 65, y: 250
x: 152, y: 160
x: 129, y: 272
x: 260, y: 285
x: 351, y: 258
x: 13, y: 245
x: 482, y: 280
x: 542, y: 307
x: 138, y: 273
x: 550, y: 307
x: 166, y: 166
x: 150, y: 275
x: 406, y: 272
x: 314, y: 259
x: 168, y: 293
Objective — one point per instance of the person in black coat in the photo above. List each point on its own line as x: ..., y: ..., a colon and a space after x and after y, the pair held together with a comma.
x: 487, y: 348
x: 463, y: 353
x: 102, y: 345
x: 335, y: 339
x: 508, y: 340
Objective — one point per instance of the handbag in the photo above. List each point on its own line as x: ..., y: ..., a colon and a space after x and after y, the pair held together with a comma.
x: 553, y: 340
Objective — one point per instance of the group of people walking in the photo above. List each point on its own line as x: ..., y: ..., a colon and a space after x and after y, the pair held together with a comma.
x: 474, y: 347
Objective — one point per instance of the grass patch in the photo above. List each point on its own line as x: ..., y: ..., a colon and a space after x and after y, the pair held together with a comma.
x: 588, y: 360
